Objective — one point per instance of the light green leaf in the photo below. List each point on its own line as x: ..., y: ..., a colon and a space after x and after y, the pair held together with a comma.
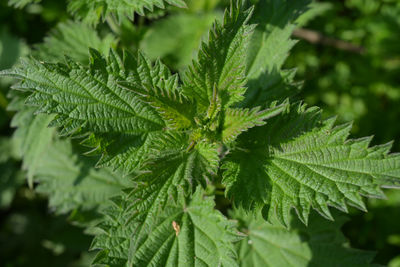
x: 139, y: 228
x: 91, y: 11
x: 166, y: 97
x: 319, y: 244
x: 316, y: 9
x: 71, y: 181
x: 298, y: 161
x: 220, y: 67
x: 11, y: 178
x: 188, y: 233
x: 21, y: 3
x: 269, y: 48
x: 72, y: 39
x: 395, y: 262
x: 271, y: 41
x: 177, y: 38
x: 32, y: 137
x: 238, y: 120
x: 88, y: 101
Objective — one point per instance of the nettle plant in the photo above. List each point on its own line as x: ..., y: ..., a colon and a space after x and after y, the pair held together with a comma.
x: 218, y: 166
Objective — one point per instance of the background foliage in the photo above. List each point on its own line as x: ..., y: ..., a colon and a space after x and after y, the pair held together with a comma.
x: 362, y: 85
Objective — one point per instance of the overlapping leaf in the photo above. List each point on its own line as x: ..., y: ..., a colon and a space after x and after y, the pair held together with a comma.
x: 298, y: 161
x: 182, y: 235
x: 269, y: 48
x: 73, y: 39
x: 32, y: 137
x: 271, y: 41
x: 22, y: 3
x: 177, y: 37
x: 138, y: 116
x: 156, y: 224
x: 238, y: 120
x: 68, y: 179
x: 92, y: 11
x: 176, y: 109
x: 72, y: 182
x: 220, y: 66
x: 88, y: 101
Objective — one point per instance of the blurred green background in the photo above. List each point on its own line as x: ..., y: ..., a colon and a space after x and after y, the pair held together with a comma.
x: 361, y: 84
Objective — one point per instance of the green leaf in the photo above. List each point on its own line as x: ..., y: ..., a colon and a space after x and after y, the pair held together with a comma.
x: 166, y: 97
x: 316, y: 9
x: 21, y: 3
x: 269, y: 48
x: 71, y: 181
x: 238, y: 120
x: 271, y: 41
x: 220, y: 67
x: 280, y: 86
x: 188, y: 233
x: 11, y: 48
x: 319, y: 244
x: 89, y: 102
x: 92, y: 11
x: 32, y: 137
x: 11, y: 178
x: 298, y: 161
x: 176, y: 38
x: 72, y: 39
x: 140, y: 228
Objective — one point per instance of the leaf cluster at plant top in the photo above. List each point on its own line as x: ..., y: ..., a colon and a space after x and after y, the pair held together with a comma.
x: 165, y: 144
